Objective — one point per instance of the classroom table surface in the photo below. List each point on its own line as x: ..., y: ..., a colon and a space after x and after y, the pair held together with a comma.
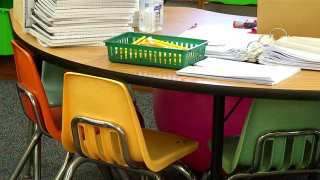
x: 94, y: 60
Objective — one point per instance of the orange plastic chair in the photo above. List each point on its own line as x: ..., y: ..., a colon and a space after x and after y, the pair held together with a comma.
x: 46, y: 120
x: 101, y: 125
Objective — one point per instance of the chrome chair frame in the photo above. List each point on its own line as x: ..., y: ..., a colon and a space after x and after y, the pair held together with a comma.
x: 253, y: 171
x: 263, y: 138
x: 35, y: 141
x: 132, y: 166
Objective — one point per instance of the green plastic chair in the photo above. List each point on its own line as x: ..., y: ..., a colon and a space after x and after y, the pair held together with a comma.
x: 279, y: 137
x: 52, y: 80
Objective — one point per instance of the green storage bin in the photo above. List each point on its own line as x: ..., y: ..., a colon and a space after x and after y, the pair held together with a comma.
x: 236, y: 2
x: 7, y: 4
x: 121, y: 50
x: 6, y: 32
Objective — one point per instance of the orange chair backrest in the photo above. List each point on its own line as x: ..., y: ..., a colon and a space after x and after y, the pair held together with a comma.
x: 105, y: 100
x: 29, y: 79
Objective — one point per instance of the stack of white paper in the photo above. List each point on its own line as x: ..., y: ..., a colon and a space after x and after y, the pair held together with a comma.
x: 80, y: 22
x: 239, y: 71
x: 300, y: 52
x: 224, y: 42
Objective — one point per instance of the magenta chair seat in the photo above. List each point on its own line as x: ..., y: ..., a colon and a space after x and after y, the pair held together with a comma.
x: 190, y: 115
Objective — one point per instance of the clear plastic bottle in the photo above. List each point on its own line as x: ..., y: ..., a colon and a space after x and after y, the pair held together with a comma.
x: 150, y: 15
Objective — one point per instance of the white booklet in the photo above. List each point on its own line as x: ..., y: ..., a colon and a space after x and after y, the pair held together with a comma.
x: 239, y: 71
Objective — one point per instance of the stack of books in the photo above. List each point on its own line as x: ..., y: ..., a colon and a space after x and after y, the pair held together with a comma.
x: 80, y: 22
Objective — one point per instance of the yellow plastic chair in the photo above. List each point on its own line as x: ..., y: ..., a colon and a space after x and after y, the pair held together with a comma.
x: 280, y: 137
x: 101, y: 125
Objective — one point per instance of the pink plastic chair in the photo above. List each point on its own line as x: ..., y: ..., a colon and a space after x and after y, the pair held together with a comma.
x: 190, y: 115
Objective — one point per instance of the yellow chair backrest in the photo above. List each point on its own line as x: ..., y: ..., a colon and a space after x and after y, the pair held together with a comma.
x: 105, y: 100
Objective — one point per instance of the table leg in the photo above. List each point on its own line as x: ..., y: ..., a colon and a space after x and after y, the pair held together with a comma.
x: 217, y: 133
x: 200, y: 4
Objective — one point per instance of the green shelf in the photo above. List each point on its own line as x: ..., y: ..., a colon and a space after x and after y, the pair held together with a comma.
x: 6, y: 32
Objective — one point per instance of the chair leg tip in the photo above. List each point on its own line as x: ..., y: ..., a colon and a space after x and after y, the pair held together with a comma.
x: 27, y: 176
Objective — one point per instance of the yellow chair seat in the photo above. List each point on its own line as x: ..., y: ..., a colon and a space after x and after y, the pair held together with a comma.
x: 165, y: 148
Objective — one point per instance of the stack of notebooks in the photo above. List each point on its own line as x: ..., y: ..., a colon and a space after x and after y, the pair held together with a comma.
x: 303, y: 52
x: 224, y: 42
x: 80, y: 22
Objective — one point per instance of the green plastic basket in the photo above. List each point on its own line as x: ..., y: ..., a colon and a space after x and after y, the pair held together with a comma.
x: 6, y: 33
x: 121, y: 50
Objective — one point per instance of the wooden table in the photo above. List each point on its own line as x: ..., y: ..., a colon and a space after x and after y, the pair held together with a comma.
x: 93, y: 60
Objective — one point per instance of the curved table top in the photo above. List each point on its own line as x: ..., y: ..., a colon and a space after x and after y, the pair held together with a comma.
x: 94, y: 61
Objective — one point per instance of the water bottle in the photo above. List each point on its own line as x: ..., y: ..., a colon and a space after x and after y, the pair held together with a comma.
x: 150, y: 15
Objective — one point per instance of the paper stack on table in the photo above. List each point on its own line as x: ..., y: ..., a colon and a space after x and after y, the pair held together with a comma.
x: 239, y: 71
x: 302, y: 52
x: 235, y: 44
x: 224, y: 42
x: 80, y: 22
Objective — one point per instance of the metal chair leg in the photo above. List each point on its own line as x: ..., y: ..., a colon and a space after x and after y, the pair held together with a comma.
x: 68, y: 159
x: 73, y: 166
x: 27, y: 170
x: 206, y: 175
x: 113, y: 172
x: 146, y: 174
x: 122, y: 174
x: 37, y: 161
x: 144, y: 177
x: 35, y: 138
x: 155, y: 176
x: 105, y: 171
x: 183, y: 169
